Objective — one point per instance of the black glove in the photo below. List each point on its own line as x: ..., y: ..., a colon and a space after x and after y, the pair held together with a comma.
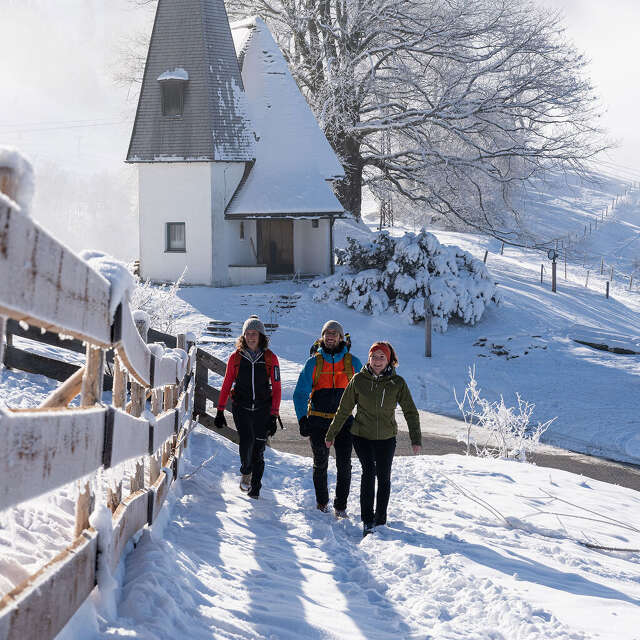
x: 272, y: 426
x: 220, y: 421
x: 305, y: 429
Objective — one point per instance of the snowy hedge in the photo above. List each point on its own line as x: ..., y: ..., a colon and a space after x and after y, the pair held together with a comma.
x: 397, y: 274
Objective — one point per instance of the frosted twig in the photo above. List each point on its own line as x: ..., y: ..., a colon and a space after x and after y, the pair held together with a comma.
x: 186, y: 476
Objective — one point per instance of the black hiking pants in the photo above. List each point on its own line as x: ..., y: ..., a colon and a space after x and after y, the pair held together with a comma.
x: 252, y: 434
x: 343, y: 448
x: 376, y: 457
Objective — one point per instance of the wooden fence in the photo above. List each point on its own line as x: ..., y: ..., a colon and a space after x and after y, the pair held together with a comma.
x: 45, y: 285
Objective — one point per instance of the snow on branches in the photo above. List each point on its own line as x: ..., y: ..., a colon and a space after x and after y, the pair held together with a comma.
x: 399, y: 273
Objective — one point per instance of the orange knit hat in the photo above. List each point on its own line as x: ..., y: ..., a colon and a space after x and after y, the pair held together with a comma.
x: 381, y: 346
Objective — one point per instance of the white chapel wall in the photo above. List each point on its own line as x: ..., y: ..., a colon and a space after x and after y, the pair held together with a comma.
x: 175, y: 192
x: 225, y: 178
x: 311, y: 247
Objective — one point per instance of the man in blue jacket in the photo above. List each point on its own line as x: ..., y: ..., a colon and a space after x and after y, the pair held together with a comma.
x: 320, y: 386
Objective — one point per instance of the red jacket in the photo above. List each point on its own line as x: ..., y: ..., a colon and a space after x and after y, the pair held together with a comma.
x: 255, y: 382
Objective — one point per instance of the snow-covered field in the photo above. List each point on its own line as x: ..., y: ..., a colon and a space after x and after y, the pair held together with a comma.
x: 221, y: 565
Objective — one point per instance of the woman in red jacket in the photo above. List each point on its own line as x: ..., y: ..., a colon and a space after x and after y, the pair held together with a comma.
x: 254, y: 373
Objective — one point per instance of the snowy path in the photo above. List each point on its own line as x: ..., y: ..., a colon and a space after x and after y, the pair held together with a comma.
x: 225, y: 566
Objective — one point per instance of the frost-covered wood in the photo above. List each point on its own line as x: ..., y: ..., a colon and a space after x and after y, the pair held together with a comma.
x: 41, y: 606
x: 44, y: 450
x: 47, y: 285
x: 130, y: 437
x: 133, y: 350
x: 164, y: 428
x: 130, y: 517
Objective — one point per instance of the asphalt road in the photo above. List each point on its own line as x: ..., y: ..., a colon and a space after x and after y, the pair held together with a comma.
x: 440, y: 437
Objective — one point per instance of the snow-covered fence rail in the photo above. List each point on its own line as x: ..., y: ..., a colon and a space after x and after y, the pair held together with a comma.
x: 45, y: 285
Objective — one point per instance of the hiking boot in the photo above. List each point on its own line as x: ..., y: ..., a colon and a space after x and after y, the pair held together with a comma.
x: 245, y: 482
x: 340, y: 513
x: 367, y: 528
x: 323, y: 507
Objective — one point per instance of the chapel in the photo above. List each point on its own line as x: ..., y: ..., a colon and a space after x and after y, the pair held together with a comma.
x: 234, y: 170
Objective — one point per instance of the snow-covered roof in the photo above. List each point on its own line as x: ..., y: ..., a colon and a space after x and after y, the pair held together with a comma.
x: 194, y: 38
x: 174, y: 74
x: 294, y: 160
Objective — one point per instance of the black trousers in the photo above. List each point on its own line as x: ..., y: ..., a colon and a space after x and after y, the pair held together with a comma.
x: 376, y: 457
x: 252, y: 434
x: 343, y: 447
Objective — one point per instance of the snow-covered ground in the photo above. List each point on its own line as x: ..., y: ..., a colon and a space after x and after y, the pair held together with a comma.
x: 445, y: 567
x: 220, y: 565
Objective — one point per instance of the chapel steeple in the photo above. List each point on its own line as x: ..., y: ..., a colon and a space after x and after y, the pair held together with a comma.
x: 192, y: 104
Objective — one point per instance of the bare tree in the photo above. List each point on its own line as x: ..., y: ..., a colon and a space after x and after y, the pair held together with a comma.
x: 450, y: 104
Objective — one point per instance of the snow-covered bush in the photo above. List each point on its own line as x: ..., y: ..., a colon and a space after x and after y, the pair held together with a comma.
x: 160, y: 302
x: 399, y: 273
x: 505, y: 431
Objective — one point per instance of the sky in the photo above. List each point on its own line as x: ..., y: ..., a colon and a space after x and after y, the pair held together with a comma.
x: 607, y: 33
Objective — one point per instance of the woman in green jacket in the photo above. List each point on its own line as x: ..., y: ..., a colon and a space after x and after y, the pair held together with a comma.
x: 375, y: 392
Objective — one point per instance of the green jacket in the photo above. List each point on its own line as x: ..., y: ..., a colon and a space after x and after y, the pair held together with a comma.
x: 376, y: 398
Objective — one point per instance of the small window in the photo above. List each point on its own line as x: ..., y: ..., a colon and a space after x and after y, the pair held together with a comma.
x: 176, y: 238
x: 241, y: 230
x: 314, y: 224
x: 172, y: 97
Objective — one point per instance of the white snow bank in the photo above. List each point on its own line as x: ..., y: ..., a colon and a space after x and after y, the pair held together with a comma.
x: 174, y: 74
x: 445, y: 567
x: 122, y: 281
x: 22, y: 173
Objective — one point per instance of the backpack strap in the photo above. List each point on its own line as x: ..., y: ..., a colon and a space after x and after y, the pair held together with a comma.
x: 348, y: 366
x: 318, y: 368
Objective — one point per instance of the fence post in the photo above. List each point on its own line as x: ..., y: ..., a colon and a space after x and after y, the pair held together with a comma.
x: 427, y: 328
x: 601, y: 265
x: 611, y: 274
x: 541, y: 273
x: 586, y: 284
x: 119, y: 384
x: 486, y: 253
x: 502, y: 249
x: 92, y: 378
x: 553, y: 276
x: 630, y: 282
x: 138, y: 392
x: 565, y: 266
x: 607, y: 289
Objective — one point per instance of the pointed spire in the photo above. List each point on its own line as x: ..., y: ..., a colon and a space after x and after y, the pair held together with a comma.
x: 191, y: 50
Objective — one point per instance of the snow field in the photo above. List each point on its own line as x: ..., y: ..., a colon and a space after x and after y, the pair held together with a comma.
x: 225, y: 566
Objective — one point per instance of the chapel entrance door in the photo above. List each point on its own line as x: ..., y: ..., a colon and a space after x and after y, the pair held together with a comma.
x: 275, y: 246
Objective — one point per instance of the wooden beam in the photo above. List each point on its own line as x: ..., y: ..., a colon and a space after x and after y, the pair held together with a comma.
x: 48, y: 337
x: 211, y: 362
x: 43, y: 604
x: 66, y: 392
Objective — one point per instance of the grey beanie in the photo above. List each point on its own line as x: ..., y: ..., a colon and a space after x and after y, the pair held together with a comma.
x: 253, y: 323
x: 333, y: 325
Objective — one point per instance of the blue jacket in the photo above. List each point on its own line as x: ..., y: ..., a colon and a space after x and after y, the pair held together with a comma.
x: 304, y: 385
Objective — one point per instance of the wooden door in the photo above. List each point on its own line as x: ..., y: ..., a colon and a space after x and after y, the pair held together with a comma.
x: 275, y: 245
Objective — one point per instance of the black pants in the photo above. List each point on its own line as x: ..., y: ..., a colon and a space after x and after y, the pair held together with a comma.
x: 320, y: 451
x: 252, y: 433
x: 376, y: 457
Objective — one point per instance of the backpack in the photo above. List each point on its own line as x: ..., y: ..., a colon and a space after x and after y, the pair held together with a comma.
x: 268, y: 361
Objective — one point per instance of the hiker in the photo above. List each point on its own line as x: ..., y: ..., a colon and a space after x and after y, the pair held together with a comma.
x: 254, y: 372
x: 375, y: 392
x: 320, y: 386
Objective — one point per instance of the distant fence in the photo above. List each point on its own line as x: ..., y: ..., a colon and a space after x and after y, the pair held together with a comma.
x: 45, y: 285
